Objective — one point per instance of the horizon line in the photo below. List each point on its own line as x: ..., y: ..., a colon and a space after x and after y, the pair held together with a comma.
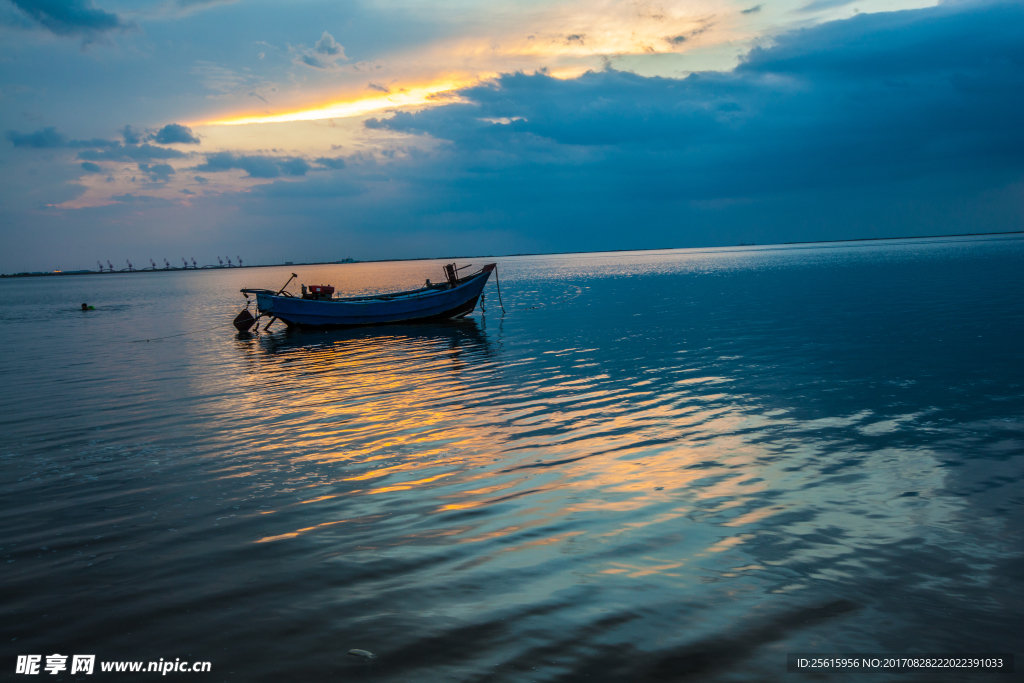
x: 543, y: 253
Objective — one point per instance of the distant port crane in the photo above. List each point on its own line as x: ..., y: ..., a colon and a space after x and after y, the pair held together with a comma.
x: 185, y: 265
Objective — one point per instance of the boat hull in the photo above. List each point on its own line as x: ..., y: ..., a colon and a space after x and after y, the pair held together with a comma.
x: 428, y: 305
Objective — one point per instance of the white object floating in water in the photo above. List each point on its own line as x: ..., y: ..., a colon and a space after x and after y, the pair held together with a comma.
x: 362, y: 653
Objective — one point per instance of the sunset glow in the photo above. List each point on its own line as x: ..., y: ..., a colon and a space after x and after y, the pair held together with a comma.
x: 435, y: 94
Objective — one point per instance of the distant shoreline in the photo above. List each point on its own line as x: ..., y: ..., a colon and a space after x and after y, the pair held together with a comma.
x: 442, y: 258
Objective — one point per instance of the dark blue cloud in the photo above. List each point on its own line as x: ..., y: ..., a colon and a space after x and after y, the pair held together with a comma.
x: 131, y: 136
x: 41, y: 139
x: 157, y: 172
x: 175, y: 132
x: 293, y: 167
x: 879, y: 97
x: 69, y: 17
x: 257, y: 166
x: 313, y: 61
x: 97, y: 149
x: 90, y: 167
x: 332, y: 162
x: 142, y: 199
x: 95, y: 142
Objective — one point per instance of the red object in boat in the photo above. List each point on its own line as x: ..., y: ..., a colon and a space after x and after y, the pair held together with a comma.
x: 321, y: 289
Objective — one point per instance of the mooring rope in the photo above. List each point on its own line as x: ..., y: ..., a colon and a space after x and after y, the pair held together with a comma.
x: 498, y: 283
x: 170, y: 336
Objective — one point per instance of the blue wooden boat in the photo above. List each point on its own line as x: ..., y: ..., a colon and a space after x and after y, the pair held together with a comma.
x: 317, y: 306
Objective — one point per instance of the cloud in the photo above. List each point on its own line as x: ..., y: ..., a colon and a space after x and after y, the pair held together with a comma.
x: 90, y: 167
x: 175, y: 133
x: 752, y: 10
x: 257, y: 166
x: 328, y: 46
x: 97, y: 149
x: 158, y: 172
x: 51, y: 138
x: 818, y: 109
x: 293, y: 167
x: 324, y: 55
x: 313, y: 61
x: 816, y: 5
x: 41, y: 139
x: 119, y: 152
x: 332, y: 163
x: 680, y: 39
x: 70, y: 17
x: 378, y: 87
x: 143, y: 199
x: 131, y: 136
x: 95, y: 142
x: 883, y: 124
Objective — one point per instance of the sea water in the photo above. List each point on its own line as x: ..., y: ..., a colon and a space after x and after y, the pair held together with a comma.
x: 671, y: 465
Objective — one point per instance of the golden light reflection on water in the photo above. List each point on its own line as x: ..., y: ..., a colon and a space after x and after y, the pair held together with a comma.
x: 554, y: 450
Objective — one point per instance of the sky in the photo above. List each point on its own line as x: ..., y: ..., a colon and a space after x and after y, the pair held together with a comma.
x: 320, y: 130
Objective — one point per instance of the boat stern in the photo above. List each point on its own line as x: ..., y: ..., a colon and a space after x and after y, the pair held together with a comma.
x: 265, y: 303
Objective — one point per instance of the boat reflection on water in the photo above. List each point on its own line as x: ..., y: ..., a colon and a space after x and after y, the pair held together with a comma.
x: 465, y: 334
x: 393, y: 350
x: 356, y: 397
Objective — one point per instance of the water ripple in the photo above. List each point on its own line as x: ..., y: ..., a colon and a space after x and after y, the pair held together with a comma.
x: 661, y: 465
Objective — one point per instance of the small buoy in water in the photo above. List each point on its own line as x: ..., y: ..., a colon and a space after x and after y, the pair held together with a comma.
x: 362, y: 653
x: 244, y: 321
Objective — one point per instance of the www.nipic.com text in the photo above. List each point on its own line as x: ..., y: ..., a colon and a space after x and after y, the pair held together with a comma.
x: 86, y: 664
